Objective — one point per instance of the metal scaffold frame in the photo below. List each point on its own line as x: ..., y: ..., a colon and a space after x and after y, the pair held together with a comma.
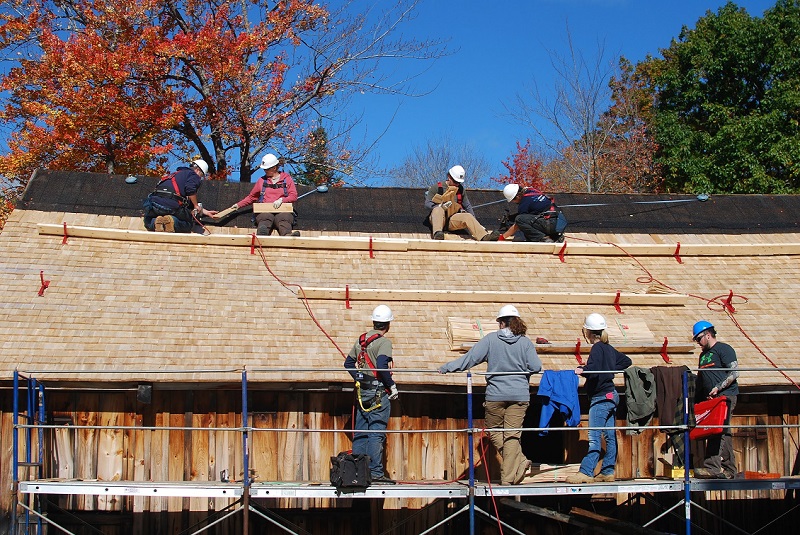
x: 30, y: 422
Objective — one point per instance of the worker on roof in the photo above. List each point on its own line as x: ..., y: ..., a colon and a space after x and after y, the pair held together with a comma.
x: 537, y: 217
x: 451, y: 210
x: 511, y: 359
x: 173, y: 206
x: 275, y: 187
x: 369, y: 362
x: 716, y: 377
x: 603, y: 360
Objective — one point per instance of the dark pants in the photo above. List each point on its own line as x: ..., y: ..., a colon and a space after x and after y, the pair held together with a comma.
x: 536, y: 228
x: 268, y: 221
x: 719, y: 448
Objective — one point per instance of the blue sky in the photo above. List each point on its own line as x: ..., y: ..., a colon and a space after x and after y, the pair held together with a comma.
x: 500, y: 49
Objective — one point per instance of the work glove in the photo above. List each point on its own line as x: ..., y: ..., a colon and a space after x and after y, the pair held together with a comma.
x: 235, y: 206
x: 393, y: 393
x: 447, y: 204
x: 277, y: 204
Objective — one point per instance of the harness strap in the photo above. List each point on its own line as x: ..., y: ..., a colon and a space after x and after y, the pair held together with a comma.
x: 267, y: 184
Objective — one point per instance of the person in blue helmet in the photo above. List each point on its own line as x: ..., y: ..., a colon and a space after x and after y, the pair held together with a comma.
x: 717, y: 376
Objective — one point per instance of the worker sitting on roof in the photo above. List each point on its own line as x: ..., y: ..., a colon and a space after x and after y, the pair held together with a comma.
x: 275, y: 187
x: 537, y: 217
x: 173, y: 206
x: 451, y: 209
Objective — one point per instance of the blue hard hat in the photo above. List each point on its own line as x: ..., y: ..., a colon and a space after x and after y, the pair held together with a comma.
x: 699, y: 327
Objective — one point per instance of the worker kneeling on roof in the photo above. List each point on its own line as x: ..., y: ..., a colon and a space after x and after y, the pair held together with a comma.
x: 451, y: 210
x: 173, y: 206
x: 537, y: 217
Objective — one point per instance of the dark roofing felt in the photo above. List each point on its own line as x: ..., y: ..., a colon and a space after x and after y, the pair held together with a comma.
x: 401, y: 210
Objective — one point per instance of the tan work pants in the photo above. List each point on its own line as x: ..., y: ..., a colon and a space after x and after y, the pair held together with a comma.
x: 461, y: 220
x: 508, y: 415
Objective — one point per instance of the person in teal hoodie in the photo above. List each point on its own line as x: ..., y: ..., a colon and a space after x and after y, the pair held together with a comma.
x: 511, y: 360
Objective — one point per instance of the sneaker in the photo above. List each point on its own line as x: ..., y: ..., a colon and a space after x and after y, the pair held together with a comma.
x: 438, y: 235
x: 578, y: 478
x: 492, y: 236
x: 606, y: 478
x: 383, y: 480
x: 295, y: 233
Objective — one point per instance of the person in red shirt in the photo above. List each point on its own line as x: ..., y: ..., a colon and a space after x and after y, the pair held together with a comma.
x: 276, y: 187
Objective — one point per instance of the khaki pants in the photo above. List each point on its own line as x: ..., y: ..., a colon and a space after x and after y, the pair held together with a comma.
x: 508, y: 415
x: 461, y: 220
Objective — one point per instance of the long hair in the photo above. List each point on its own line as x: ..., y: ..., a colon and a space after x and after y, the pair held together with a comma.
x: 515, y: 325
x: 602, y: 334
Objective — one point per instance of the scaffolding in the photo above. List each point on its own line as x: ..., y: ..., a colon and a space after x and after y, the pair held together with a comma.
x: 30, y: 483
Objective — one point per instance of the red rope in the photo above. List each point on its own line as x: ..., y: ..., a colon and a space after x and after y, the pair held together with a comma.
x: 288, y: 286
x: 724, y: 302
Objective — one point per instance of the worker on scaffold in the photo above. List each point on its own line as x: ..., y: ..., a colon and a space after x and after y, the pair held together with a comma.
x: 369, y: 363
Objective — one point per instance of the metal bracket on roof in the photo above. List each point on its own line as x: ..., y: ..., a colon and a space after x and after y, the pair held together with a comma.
x: 45, y: 283
x: 664, y: 354
x: 371, y: 252
x: 64, y: 241
x: 562, y: 251
x: 253, y: 243
x: 578, y: 351
x: 347, y: 297
x: 677, y: 253
x: 728, y: 303
x: 616, y: 304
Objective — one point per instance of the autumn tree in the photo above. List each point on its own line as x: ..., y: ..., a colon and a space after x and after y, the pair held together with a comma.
x: 124, y: 86
x: 428, y: 163
x: 568, y: 123
x: 726, y: 117
x: 523, y: 168
x: 319, y: 164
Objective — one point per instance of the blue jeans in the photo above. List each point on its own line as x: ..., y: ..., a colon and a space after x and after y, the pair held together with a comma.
x: 372, y: 443
x: 601, y: 414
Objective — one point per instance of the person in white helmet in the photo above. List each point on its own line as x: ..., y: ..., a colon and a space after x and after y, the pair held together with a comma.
x: 173, y: 205
x: 537, y: 217
x: 464, y: 216
x: 276, y: 187
x: 369, y: 363
x: 603, y: 401
x: 511, y: 359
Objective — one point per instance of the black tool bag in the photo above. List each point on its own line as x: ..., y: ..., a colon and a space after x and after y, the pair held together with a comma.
x: 350, y: 471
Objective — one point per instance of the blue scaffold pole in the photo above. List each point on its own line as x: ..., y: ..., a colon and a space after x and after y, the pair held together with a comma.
x: 471, y: 442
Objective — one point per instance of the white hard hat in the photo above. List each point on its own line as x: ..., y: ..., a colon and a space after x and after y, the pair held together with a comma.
x: 382, y: 313
x: 457, y: 173
x: 595, y: 322
x: 269, y: 160
x: 203, y: 166
x: 510, y: 191
x: 508, y: 310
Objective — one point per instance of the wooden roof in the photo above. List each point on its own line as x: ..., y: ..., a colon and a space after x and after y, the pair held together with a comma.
x: 139, y: 304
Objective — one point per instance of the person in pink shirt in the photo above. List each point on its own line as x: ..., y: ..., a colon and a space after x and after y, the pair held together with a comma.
x: 276, y: 187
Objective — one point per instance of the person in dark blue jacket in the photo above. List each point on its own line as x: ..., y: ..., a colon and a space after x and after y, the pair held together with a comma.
x: 173, y: 206
x: 603, y: 401
x: 537, y: 215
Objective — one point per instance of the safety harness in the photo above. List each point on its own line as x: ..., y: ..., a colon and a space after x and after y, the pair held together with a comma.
x: 364, y: 361
x: 167, y: 194
x: 267, y: 184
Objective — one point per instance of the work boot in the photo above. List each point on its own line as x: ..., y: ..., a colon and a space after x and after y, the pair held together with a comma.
x: 263, y: 230
x: 295, y: 233
x: 491, y: 236
x: 438, y: 235
x: 164, y: 223
x: 383, y: 480
x: 580, y: 477
x: 605, y: 478
x: 706, y: 473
